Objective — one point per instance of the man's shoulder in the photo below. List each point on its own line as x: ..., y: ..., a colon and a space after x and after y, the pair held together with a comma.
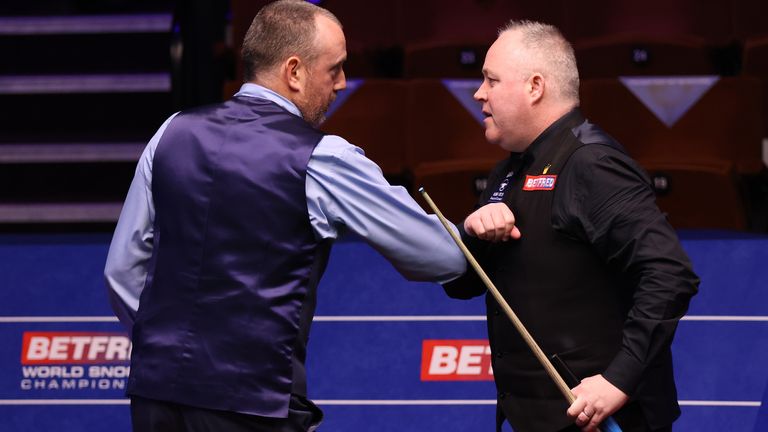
x: 594, y: 149
x: 598, y: 158
x: 336, y: 146
x: 591, y: 144
x: 593, y: 137
x: 597, y: 151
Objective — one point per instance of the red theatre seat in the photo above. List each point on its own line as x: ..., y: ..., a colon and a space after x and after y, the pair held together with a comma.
x: 454, y: 186
x: 373, y: 118
x: 723, y: 125
x: 755, y: 63
x: 447, y: 150
x: 699, y: 196
x: 444, y: 60
x: 440, y: 128
x: 616, y: 55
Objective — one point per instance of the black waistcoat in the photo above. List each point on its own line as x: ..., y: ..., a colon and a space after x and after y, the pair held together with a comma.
x: 560, y: 289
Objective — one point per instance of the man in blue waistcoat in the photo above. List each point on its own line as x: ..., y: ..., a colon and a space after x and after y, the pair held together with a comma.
x: 226, y: 231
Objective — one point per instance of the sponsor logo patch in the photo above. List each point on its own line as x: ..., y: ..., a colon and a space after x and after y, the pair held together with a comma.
x: 541, y: 182
x: 456, y: 360
x: 74, y: 362
x: 74, y: 347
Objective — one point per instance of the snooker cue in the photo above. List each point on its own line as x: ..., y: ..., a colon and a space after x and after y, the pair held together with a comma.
x: 608, y: 425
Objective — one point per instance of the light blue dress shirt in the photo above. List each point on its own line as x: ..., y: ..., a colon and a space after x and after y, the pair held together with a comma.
x: 346, y: 191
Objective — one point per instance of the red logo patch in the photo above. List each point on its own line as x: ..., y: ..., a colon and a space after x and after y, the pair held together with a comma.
x: 542, y: 182
x: 74, y: 348
x: 456, y: 360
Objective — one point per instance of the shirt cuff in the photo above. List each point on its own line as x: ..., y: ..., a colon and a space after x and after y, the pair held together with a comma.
x: 624, y: 372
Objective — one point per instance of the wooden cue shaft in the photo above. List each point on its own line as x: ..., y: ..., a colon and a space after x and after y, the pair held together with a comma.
x: 561, y: 385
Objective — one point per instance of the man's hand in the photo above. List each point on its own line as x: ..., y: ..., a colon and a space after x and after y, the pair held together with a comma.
x: 596, y: 399
x: 492, y: 222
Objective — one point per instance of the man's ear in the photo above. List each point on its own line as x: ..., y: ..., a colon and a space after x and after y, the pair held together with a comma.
x: 535, y: 87
x: 294, y: 73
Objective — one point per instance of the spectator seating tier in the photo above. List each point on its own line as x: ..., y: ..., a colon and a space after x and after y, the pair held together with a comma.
x: 454, y: 186
x: 723, y: 125
x: 699, y: 196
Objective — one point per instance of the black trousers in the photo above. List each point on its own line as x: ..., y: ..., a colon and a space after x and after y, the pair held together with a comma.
x: 149, y: 415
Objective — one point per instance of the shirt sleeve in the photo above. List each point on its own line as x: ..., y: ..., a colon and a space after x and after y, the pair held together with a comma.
x: 611, y: 205
x: 469, y: 284
x: 131, y: 248
x: 347, y: 191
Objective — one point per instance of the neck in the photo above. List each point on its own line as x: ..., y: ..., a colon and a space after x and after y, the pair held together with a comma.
x: 554, y: 112
x: 275, y: 85
x: 546, y: 115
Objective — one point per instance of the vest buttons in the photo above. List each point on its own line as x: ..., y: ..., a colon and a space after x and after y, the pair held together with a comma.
x: 499, y: 354
x: 496, y: 311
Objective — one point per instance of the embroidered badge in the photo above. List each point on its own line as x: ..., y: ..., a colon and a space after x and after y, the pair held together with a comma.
x: 542, y: 182
x: 498, y: 196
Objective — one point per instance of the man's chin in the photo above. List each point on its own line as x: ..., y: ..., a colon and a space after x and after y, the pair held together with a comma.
x: 493, y: 138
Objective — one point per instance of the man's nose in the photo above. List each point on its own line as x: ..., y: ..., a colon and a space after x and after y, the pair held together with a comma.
x: 480, y: 94
x: 341, y: 84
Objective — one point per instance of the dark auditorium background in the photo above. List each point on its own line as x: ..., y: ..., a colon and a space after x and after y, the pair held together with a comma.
x: 84, y: 84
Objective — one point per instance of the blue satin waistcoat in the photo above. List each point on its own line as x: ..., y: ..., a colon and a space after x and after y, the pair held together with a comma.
x: 224, y: 317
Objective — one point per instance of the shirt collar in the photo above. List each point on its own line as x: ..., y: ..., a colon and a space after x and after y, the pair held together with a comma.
x: 570, y: 120
x: 261, y: 92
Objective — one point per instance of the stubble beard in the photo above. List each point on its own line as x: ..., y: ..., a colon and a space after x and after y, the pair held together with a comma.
x: 314, y: 113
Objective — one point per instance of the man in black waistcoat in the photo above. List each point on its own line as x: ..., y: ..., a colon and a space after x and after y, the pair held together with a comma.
x: 592, y: 267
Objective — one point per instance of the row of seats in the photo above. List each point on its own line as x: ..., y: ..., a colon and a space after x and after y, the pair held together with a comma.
x: 420, y: 134
x: 702, y: 163
x: 405, y: 123
x: 402, y: 124
x: 428, y: 39
x: 397, y: 21
x: 428, y: 133
x: 600, y: 57
x: 756, y: 64
x: 694, y: 196
x: 722, y: 123
x: 702, y: 195
x: 709, y: 196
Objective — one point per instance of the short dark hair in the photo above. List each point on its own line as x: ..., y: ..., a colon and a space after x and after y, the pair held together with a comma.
x: 548, y: 49
x: 281, y: 29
